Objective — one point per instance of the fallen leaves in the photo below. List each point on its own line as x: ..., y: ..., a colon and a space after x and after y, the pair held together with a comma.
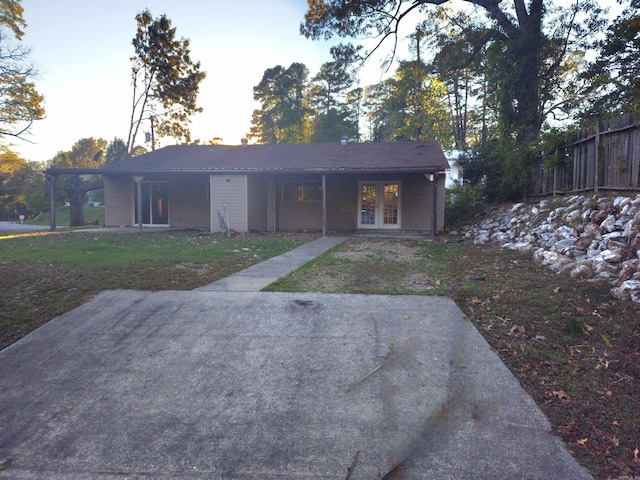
x: 562, y: 395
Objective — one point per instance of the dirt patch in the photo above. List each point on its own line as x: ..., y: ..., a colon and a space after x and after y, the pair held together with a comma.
x: 369, y: 249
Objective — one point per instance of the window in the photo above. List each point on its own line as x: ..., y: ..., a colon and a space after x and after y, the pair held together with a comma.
x: 302, y: 192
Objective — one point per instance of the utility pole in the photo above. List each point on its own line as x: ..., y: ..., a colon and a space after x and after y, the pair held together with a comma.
x: 153, y: 137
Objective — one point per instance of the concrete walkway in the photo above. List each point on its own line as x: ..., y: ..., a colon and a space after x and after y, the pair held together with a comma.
x: 256, y: 277
x: 256, y: 385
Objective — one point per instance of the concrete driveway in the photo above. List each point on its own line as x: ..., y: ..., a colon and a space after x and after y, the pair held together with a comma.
x: 20, y: 227
x: 243, y: 385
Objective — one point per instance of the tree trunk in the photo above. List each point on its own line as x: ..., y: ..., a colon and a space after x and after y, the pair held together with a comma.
x: 76, y: 203
x: 76, y: 198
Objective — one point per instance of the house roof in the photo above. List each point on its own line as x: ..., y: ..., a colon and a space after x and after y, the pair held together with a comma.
x: 409, y: 156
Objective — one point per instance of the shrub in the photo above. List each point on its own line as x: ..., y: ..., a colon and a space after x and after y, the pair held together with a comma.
x: 462, y: 202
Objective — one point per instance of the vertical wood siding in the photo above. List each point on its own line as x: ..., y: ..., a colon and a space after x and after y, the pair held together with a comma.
x: 117, y: 199
x: 229, y: 191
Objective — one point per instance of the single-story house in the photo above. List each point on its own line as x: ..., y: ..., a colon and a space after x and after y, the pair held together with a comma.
x: 280, y: 187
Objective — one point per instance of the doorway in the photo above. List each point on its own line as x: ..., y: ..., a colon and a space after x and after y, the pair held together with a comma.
x: 379, y: 204
x: 155, y: 203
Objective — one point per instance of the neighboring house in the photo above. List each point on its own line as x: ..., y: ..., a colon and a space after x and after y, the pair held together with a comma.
x: 455, y: 174
x: 280, y: 187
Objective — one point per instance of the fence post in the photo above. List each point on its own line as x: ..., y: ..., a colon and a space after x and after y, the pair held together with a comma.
x: 596, y: 157
x: 555, y: 173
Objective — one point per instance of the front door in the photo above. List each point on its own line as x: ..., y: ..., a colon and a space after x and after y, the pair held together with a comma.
x: 379, y: 204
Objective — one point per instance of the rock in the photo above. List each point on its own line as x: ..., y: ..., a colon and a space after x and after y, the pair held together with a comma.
x: 546, y: 257
x: 573, y: 217
x: 630, y: 288
x: 519, y: 246
x: 581, y: 271
x: 627, y: 270
x: 593, y: 237
x: 611, y: 256
x: 608, y: 224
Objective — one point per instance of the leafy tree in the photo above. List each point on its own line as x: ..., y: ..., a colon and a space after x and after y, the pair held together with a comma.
x: 36, y: 194
x: 526, y: 45
x: 411, y: 106
x: 284, y: 113
x: 20, y: 103
x: 116, y: 151
x: 85, y: 153
x: 165, y: 80
x: 15, y: 174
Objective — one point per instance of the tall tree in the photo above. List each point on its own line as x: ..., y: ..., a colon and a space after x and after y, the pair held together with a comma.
x: 85, y: 153
x: 614, y: 78
x: 413, y: 106
x: 528, y: 48
x: 20, y: 103
x: 165, y: 80
x: 332, y: 117
x: 284, y: 113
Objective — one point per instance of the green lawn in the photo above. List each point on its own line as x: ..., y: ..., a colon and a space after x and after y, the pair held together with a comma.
x: 45, y: 274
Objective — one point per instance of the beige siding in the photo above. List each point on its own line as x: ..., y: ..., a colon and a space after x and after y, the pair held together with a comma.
x: 189, y: 201
x: 118, y: 199
x: 229, y: 191
x: 257, y: 203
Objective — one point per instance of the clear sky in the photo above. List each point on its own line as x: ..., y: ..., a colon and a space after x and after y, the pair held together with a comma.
x: 82, y: 49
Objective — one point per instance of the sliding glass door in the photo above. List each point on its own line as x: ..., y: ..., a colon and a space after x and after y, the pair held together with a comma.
x: 155, y: 203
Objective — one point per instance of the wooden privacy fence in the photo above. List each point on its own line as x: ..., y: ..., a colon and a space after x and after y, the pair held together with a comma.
x: 606, y: 156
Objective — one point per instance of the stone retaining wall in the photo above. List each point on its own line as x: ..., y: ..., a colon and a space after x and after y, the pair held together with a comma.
x: 593, y: 237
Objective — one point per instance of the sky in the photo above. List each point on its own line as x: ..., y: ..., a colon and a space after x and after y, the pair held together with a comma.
x: 82, y: 49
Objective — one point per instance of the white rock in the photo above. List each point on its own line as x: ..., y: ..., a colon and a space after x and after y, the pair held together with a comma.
x: 581, y: 271
x: 621, y: 201
x: 629, y: 288
x: 611, y: 256
x: 519, y: 246
x: 608, y: 224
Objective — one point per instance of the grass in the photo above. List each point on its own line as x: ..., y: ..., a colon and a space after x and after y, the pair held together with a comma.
x: 45, y: 274
x: 92, y: 216
x: 573, y: 348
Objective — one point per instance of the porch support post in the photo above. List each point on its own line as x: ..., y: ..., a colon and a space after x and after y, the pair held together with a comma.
x: 138, y: 179
x: 324, y: 205
x: 52, y: 200
x: 435, y: 205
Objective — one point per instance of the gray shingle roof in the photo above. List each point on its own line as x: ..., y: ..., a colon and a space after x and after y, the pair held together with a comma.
x: 411, y: 156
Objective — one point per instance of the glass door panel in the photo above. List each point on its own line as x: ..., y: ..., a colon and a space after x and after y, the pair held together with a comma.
x: 368, y: 202
x: 391, y: 203
x: 155, y: 203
